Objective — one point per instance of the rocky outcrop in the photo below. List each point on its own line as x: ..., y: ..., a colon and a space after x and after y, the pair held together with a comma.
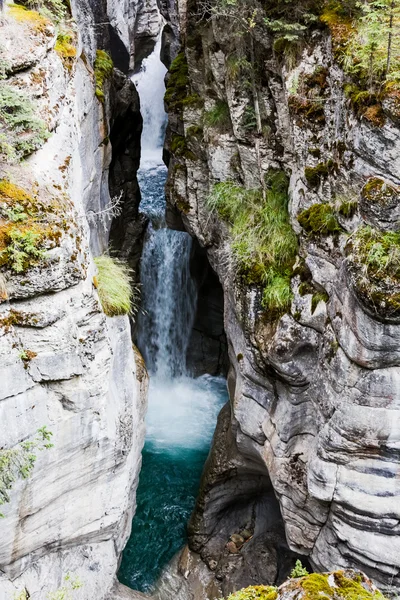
x: 314, y: 391
x: 65, y: 366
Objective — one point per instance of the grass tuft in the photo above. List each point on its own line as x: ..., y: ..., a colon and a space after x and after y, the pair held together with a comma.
x: 263, y: 241
x: 114, y: 286
x: 218, y: 116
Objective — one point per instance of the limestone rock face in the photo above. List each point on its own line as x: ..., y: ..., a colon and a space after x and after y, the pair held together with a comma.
x: 314, y: 393
x: 64, y: 365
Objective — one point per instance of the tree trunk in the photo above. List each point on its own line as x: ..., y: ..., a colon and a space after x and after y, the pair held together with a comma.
x: 390, y: 36
x: 254, y: 87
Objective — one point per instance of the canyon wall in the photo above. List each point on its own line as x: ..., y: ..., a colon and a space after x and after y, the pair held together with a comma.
x: 65, y: 366
x: 314, y: 389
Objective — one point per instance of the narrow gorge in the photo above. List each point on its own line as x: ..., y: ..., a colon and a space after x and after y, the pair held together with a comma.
x: 199, y: 300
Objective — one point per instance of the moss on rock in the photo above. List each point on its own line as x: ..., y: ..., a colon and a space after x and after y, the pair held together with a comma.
x: 103, y: 68
x: 373, y: 257
x: 377, y: 191
x: 338, y: 585
x: 28, y: 227
x: 178, y: 82
x: 319, y: 219
x: 255, y: 592
x: 315, y: 175
x: 179, y: 147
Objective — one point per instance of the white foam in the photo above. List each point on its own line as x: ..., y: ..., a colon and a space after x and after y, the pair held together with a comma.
x: 183, y: 411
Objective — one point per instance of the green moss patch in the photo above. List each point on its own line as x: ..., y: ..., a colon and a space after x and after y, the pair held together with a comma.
x: 66, y: 49
x: 377, y: 191
x: 103, y: 68
x: 339, y: 585
x: 178, y: 82
x: 374, y: 261
x: 319, y: 219
x: 263, y: 241
x: 18, y: 462
x: 37, y: 22
x: 255, y: 592
x: 315, y: 175
x: 366, y: 104
x: 348, y: 208
x: 179, y: 147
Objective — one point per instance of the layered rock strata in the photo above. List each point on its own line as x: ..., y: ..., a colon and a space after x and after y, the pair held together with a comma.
x: 65, y: 365
x: 314, y: 391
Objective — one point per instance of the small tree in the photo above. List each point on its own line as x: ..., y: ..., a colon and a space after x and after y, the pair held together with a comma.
x: 373, y: 53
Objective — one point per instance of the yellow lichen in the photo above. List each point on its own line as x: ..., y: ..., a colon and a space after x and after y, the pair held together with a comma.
x: 31, y: 17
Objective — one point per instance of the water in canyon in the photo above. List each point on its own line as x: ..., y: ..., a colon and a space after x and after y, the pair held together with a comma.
x: 182, y: 410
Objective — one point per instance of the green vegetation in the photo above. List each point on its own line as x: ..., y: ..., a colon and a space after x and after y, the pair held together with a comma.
x: 255, y: 592
x: 103, y: 68
x: 319, y: 219
x: 194, y: 131
x: 66, y: 49
x: 23, y: 248
x: 315, y: 175
x: 21, y: 132
x: 366, y: 41
x: 218, y: 116
x: 263, y: 241
x: 177, y: 87
x: 378, y: 191
x: 374, y: 260
x: 113, y: 282
x: 37, y: 22
x: 317, y: 298
x: 366, y: 104
x: 298, y: 570
x: 56, y: 10
x: 27, y: 227
x: 19, y: 461
x: 373, y: 53
x: 66, y: 591
x: 344, y: 587
x: 179, y: 147
x: 348, y: 208
x: 339, y: 585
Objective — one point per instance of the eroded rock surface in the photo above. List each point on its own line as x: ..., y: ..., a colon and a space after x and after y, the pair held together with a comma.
x: 314, y: 392
x: 64, y: 364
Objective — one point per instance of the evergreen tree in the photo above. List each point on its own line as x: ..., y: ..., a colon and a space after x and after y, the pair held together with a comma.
x: 374, y: 52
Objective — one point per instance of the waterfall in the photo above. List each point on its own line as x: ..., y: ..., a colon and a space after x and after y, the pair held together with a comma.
x: 150, y: 86
x: 182, y: 411
x: 168, y: 291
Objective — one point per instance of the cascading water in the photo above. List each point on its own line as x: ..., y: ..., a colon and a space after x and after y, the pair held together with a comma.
x: 182, y: 411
